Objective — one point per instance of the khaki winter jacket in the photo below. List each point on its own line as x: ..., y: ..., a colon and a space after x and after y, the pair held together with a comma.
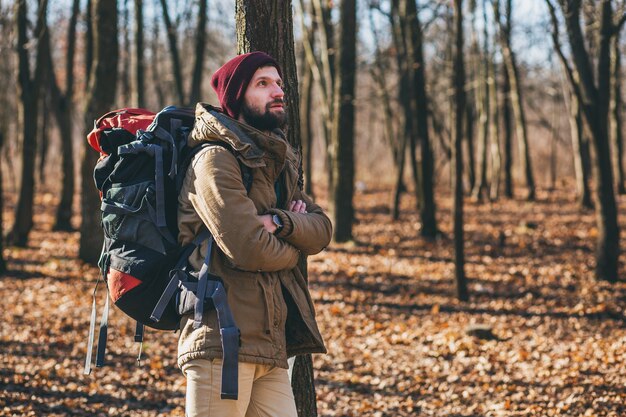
x: 267, y: 293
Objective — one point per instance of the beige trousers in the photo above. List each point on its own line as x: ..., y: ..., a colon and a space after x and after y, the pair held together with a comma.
x: 264, y: 391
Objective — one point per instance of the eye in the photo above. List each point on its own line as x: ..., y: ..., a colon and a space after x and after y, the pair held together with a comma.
x: 262, y: 83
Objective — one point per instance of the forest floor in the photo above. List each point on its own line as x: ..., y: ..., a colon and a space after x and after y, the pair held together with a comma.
x: 539, y: 337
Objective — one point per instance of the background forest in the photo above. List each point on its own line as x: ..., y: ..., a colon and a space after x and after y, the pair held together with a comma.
x: 470, y: 153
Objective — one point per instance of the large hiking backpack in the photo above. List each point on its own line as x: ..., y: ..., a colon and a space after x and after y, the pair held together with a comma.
x: 143, y: 161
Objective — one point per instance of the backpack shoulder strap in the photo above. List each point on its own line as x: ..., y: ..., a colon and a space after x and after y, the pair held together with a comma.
x: 246, y: 171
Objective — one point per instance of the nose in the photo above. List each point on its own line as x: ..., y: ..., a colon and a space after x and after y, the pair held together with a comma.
x: 277, y: 91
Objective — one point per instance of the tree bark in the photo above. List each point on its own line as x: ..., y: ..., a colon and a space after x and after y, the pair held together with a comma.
x: 343, y: 125
x: 100, y: 98
x: 172, y: 39
x: 406, y: 88
x: 319, y: 63
x: 44, y: 138
x: 581, y: 152
x: 307, y: 132
x: 139, y: 70
x: 594, y: 99
x: 195, y: 90
x: 507, y: 123
x: 510, y: 63
x: 396, y: 144
x: 481, y: 75
x: 28, y: 108
x: 3, y: 264
x: 125, y: 92
x: 459, y: 111
x: 88, y: 42
x: 415, y: 49
x: 61, y: 103
x: 494, y: 116
x: 268, y: 26
x: 616, y: 115
x: 156, y: 76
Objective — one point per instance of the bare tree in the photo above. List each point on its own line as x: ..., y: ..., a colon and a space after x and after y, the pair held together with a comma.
x: 457, y: 153
x: 139, y: 71
x: 195, y: 88
x: 343, y: 125
x: 264, y: 25
x: 592, y: 89
x: 61, y: 104
x: 306, y: 100
x: 100, y: 97
x: 507, y: 145
x: 494, y: 116
x: 480, y: 61
x: 29, y: 88
x: 172, y: 39
x: 510, y: 64
x: 616, y: 113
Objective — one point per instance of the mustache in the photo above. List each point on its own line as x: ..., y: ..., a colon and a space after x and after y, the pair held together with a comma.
x: 276, y: 101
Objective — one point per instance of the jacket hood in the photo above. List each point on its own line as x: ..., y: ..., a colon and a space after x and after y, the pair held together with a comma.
x: 212, y: 125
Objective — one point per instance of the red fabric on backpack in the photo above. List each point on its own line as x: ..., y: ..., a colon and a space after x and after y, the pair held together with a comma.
x: 120, y: 283
x: 130, y: 119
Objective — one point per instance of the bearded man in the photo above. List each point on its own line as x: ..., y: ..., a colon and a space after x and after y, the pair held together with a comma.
x: 260, y: 230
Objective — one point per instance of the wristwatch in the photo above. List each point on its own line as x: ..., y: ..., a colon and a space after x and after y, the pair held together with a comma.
x: 279, y: 224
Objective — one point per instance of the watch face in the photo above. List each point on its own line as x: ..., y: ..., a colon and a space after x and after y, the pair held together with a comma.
x: 277, y: 221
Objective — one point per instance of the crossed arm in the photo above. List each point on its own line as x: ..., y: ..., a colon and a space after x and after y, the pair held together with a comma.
x: 245, y: 238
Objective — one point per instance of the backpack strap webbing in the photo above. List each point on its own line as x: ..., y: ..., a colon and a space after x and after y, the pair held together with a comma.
x: 246, y: 171
x: 210, y: 287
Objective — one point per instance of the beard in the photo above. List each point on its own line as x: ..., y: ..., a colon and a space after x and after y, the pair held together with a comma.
x: 266, y: 120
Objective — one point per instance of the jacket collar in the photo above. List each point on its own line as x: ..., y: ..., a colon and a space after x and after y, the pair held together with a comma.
x: 249, y: 143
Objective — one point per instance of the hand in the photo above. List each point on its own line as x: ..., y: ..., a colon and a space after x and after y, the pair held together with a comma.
x: 268, y: 224
x: 298, y: 206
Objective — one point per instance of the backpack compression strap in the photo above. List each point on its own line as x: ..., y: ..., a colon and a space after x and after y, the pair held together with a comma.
x: 208, y: 287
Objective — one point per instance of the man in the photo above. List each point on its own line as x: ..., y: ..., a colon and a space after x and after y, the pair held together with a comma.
x: 260, y: 233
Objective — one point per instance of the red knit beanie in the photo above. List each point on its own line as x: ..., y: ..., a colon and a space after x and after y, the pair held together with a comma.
x: 231, y: 80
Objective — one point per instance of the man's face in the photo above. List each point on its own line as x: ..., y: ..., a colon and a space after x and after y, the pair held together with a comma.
x: 263, y: 103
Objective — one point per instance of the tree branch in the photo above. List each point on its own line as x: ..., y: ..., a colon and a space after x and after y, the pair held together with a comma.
x: 569, y: 72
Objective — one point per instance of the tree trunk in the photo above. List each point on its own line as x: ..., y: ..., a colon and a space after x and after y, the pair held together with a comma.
x: 494, y: 116
x: 459, y: 111
x: 616, y: 115
x: 595, y: 102
x: 307, y: 132
x: 415, y: 49
x: 139, y: 73
x: 268, y: 26
x: 100, y: 98
x: 156, y: 76
x: 322, y: 74
x: 470, y: 114
x: 396, y: 144
x: 195, y: 90
x: 3, y: 264
x: 508, y: 135
x: 580, y: 152
x: 125, y: 93
x: 516, y: 96
x: 343, y: 125
x: 481, y: 95
x: 61, y: 103
x: 28, y: 91
x: 88, y: 42
x: 406, y: 88
x: 44, y: 138
x: 172, y: 39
